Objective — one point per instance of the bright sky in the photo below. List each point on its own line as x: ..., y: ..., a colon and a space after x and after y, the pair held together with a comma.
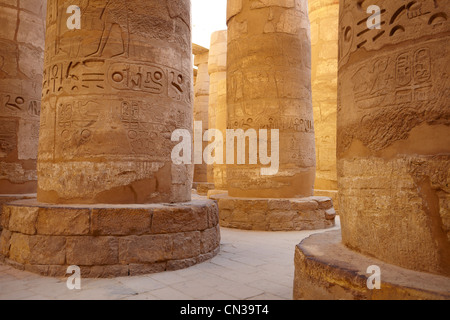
x: 207, y: 16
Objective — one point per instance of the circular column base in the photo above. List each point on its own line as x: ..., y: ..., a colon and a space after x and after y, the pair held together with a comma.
x: 203, y: 187
x: 325, y: 269
x: 5, y: 198
x: 108, y: 240
x: 262, y: 214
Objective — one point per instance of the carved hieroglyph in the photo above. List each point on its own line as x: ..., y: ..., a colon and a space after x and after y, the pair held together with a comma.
x: 269, y: 87
x: 21, y: 59
x: 393, y: 132
x: 201, y: 104
x: 113, y: 93
x: 218, y: 98
x: 324, y: 17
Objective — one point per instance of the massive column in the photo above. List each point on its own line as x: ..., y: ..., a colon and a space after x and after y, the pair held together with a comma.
x: 218, y: 101
x: 324, y: 17
x: 21, y: 59
x: 393, y: 157
x: 201, y: 105
x: 114, y: 91
x: 269, y: 87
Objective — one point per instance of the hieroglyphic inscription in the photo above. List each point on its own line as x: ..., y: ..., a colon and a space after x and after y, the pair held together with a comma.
x: 96, y: 76
x: 401, y: 20
x: 285, y: 123
x: 404, y: 78
x: 18, y: 105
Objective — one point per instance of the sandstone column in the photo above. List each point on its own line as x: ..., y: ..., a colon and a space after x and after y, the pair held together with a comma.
x: 113, y: 93
x: 218, y: 96
x: 201, y: 105
x: 393, y: 156
x: 21, y: 59
x: 269, y: 87
x: 324, y: 17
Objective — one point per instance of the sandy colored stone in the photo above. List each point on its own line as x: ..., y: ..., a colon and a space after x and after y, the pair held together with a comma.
x: 23, y: 219
x: 89, y: 251
x: 5, y: 238
x: 269, y: 87
x: 275, y: 214
x: 21, y: 68
x: 47, y: 250
x: 19, y: 250
x: 327, y: 270
x: 120, y: 222
x: 324, y: 17
x: 181, y: 219
x: 113, y: 93
x: 186, y: 245
x: 394, y: 134
x: 217, y: 67
x: 201, y: 105
x: 63, y: 221
x: 145, y: 249
x: 210, y: 239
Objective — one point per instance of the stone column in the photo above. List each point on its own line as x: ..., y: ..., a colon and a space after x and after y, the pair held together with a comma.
x: 21, y: 59
x: 269, y: 87
x: 218, y: 99
x: 324, y: 17
x: 201, y: 105
x: 113, y: 93
x: 393, y: 157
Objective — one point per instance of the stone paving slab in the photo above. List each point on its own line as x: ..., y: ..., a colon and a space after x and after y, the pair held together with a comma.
x: 252, y: 265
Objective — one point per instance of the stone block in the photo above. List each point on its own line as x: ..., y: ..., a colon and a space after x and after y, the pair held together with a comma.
x: 23, y: 219
x: 63, y: 221
x: 89, y: 251
x: 145, y: 249
x: 121, y: 221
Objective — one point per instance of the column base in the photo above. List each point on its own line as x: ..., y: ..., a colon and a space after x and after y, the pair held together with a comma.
x: 262, y: 214
x: 333, y: 194
x: 5, y: 198
x: 203, y: 187
x: 216, y: 192
x: 108, y: 240
x: 326, y: 269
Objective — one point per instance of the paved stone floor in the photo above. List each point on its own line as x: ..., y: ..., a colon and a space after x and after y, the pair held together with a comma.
x: 251, y: 265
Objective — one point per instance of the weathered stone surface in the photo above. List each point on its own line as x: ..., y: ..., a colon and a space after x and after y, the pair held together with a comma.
x: 5, y: 238
x: 90, y: 251
x: 47, y: 250
x: 179, y: 219
x: 23, y: 219
x: 217, y: 68
x: 394, y: 134
x: 21, y: 68
x: 141, y: 269
x: 201, y: 105
x: 326, y: 269
x: 275, y: 214
x: 126, y: 78
x: 269, y: 87
x: 121, y: 222
x: 19, y: 250
x: 324, y: 17
x: 102, y: 249
x: 187, y: 245
x: 203, y: 188
x: 210, y: 239
x: 63, y: 221
x: 145, y: 249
